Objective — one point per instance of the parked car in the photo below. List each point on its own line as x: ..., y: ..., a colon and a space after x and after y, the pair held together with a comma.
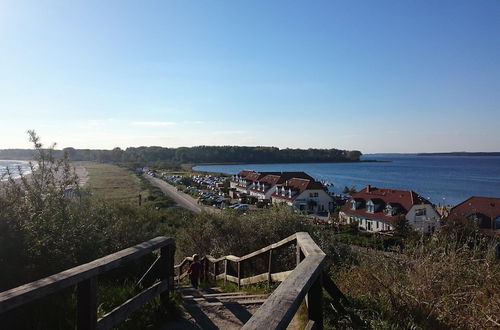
x: 242, y: 207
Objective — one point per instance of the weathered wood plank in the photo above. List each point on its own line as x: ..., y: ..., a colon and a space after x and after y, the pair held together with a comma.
x: 309, y: 325
x: 151, y: 274
x: 239, y: 274
x: 289, y: 240
x: 254, y: 279
x: 281, y: 306
x: 270, y: 266
x: 121, y: 312
x: 86, y: 296
x: 166, y: 270
x: 233, y: 279
x: 232, y: 258
x: 315, y: 303
x: 280, y: 277
x: 23, y: 294
x: 307, y: 245
x: 179, y: 278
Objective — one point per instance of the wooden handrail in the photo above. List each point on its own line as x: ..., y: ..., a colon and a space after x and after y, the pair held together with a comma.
x: 84, y: 276
x: 285, y: 241
x: 278, y: 310
x: 304, y: 281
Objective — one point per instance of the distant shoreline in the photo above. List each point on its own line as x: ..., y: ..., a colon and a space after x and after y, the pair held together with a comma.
x: 190, y: 166
x: 461, y: 153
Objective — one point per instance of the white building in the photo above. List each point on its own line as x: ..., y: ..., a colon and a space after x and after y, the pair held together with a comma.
x: 378, y: 209
x: 303, y: 195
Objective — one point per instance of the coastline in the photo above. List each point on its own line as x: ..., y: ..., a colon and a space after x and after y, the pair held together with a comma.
x: 80, y: 171
x: 189, y: 166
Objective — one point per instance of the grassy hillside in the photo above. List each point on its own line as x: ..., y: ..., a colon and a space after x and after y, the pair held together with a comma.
x: 113, y: 183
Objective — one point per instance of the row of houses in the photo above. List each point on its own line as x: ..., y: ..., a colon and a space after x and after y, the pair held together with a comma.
x: 296, y: 189
x: 378, y: 209
x: 374, y: 209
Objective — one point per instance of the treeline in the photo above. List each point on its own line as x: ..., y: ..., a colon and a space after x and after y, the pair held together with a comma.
x: 196, y: 155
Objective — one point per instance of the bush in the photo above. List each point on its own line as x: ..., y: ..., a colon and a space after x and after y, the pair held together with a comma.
x: 437, y: 283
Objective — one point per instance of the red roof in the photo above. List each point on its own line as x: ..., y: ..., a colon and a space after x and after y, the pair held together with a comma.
x: 488, y: 207
x: 383, y: 196
x: 244, y: 173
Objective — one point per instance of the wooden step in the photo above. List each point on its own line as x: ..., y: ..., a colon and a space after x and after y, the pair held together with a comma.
x: 226, y: 298
x: 231, y: 302
x: 212, y: 295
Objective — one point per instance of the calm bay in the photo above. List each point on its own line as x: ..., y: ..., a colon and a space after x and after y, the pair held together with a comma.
x: 446, y: 180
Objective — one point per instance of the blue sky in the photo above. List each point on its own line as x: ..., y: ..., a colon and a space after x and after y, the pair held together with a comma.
x: 377, y: 76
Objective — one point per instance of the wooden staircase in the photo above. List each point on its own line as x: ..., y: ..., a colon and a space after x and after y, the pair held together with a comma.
x: 213, y: 308
x: 303, y: 281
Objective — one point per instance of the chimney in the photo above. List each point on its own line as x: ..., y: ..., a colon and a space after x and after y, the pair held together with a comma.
x: 368, y: 188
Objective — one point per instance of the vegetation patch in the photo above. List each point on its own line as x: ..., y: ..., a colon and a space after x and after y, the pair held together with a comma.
x: 113, y: 183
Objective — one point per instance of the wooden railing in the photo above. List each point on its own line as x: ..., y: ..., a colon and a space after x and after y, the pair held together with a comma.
x: 85, y: 279
x: 305, y: 281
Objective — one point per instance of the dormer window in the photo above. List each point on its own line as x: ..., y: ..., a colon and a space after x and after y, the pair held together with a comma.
x: 390, y: 210
x: 370, y: 207
x: 353, y: 204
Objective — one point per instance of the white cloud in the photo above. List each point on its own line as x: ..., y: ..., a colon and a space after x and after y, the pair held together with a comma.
x: 154, y: 123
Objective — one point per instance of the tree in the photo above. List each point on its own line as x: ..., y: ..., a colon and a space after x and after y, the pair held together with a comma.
x: 402, y: 226
x: 349, y: 190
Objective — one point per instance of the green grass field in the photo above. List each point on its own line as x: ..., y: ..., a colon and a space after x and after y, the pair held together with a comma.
x: 113, y: 183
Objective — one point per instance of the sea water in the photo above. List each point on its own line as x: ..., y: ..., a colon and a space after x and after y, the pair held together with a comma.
x: 14, y: 166
x: 445, y: 180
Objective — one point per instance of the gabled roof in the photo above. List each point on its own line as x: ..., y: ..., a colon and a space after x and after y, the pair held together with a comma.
x: 406, y: 199
x: 488, y: 206
x: 244, y: 173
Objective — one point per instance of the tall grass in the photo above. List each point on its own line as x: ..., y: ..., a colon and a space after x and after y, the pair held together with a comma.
x: 443, y: 282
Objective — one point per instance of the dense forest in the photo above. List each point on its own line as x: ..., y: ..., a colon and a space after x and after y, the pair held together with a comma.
x: 196, y: 155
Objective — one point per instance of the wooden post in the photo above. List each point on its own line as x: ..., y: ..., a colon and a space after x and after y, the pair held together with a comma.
x: 270, y: 267
x: 179, y: 275
x: 86, y: 294
x: 225, y: 271
x: 239, y: 274
x: 314, y: 301
x: 298, y: 254
x: 205, y: 269
x: 215, y: 272
x: 165, y: 271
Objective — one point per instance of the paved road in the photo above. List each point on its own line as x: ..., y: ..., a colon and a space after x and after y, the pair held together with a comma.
x: 182, y: 199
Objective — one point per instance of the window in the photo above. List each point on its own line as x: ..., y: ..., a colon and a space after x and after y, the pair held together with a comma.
x: 474, y: 217
x: 420, y: 212
x: 370, y: 207
x: 353, y: 204
x: 310, y: 194
x: 497, y: 223
x: 316, y: 194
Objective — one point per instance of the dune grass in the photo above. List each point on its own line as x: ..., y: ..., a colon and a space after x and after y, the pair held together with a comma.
x: 113, y: 183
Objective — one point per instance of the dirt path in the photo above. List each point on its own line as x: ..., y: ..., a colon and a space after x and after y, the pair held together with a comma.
x: 83, y: 175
